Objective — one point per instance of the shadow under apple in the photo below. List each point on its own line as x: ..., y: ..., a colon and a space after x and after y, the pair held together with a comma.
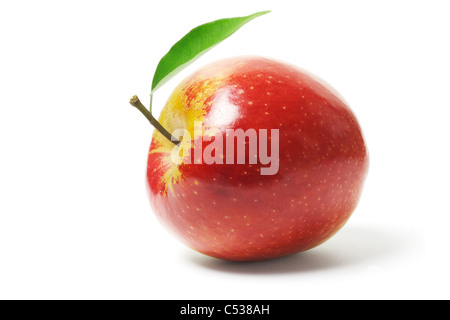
x: 350, y: 247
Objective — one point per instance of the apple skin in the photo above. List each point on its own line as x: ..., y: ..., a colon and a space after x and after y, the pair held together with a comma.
x: 231, y: 211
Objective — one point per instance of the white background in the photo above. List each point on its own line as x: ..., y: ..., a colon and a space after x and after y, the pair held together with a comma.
x: 75, y: 222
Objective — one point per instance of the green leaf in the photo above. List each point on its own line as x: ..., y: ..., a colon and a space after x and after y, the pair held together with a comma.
x: 194, y: 44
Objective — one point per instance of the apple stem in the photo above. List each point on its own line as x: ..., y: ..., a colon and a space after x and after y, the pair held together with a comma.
x: 135, y: 102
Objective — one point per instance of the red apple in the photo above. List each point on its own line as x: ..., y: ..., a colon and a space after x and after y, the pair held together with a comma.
x: 233, y: 211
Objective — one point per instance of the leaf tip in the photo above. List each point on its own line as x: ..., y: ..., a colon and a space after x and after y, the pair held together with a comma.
x: 263, y: 12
